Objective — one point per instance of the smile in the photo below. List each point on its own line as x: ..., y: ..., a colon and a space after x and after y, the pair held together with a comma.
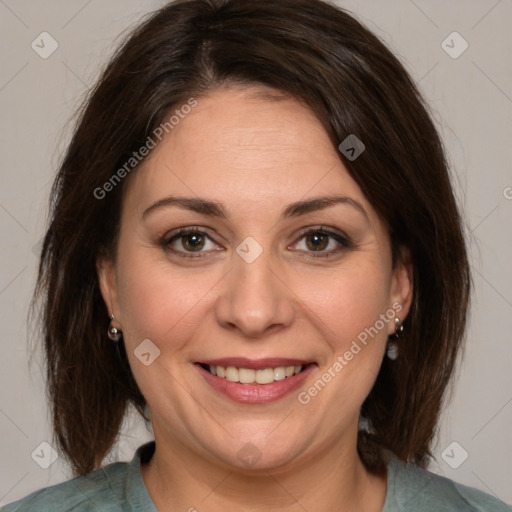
x: 261, y: 381
x: 251, y: 376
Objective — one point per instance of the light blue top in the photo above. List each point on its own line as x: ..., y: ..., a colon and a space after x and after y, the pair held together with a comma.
x: 119, y: 487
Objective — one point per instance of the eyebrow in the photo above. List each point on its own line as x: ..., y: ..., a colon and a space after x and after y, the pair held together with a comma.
x: 216, y: 209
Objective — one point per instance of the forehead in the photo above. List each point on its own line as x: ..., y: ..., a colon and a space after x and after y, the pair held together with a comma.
x: 249, y: 151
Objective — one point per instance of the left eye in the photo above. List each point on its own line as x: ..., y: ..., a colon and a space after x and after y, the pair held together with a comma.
x: 317, y: 240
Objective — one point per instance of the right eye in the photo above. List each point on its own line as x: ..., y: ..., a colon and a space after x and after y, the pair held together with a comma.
x: 191, y: 240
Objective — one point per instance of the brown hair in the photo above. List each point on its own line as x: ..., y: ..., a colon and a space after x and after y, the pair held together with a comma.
x: 321, y: 55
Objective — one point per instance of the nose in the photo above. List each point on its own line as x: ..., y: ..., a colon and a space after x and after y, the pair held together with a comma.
x: 255, y: 298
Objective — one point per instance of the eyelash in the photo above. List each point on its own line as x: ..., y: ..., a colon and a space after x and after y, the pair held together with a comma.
x: 343, y: 240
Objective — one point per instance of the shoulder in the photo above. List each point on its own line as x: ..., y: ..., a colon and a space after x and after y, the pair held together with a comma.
x: 118, y: 487
x: 415, y: 489
x: 99, y: 490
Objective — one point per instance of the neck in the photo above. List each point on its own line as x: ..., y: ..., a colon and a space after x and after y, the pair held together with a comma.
x: 178, y: 478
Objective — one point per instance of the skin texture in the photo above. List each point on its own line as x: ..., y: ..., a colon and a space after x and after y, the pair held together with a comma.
x: 255, y: 156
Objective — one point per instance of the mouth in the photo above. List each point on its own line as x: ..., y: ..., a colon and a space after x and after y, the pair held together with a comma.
x: 261, y: 376
x: 255, y: 381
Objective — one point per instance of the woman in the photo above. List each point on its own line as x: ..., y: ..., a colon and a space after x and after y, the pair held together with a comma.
x: 257, y: 203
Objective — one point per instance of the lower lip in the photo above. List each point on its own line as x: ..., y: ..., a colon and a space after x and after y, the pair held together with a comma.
x: 256, y: 393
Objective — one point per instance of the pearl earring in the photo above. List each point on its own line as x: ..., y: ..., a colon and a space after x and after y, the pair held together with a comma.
x: 113, y: 333
x: 392, y: 348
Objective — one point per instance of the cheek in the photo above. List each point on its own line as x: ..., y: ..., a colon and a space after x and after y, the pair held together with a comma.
x: 348, y: 308
x: 164, y: 305
x: 159, y: 301
x: 349, y: 302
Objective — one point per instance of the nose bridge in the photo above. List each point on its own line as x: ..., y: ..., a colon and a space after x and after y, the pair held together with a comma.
x: 254, y: 298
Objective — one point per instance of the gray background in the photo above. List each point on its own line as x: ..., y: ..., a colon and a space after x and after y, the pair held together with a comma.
x: 471, y: 98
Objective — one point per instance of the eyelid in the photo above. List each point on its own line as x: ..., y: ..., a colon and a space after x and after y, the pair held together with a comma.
x: 322, y: 228
x: 186, y: 230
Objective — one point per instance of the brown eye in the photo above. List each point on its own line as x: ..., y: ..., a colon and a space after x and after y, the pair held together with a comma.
x: 317, y: 241
x: 323, y: 242
x: 192, y: 241
x: 187, y: 241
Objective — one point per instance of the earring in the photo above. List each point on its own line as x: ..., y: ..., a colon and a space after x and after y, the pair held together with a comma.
x: 392, y: 348
x: 113, y: 333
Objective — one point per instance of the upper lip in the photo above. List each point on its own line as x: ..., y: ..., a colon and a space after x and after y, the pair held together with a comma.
x: 255, y: 364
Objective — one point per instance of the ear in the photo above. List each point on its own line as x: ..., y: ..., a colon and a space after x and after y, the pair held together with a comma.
x: 402, y: 286
x: 106, y: 271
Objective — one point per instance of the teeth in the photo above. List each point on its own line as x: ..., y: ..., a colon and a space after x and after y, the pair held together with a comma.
x: 250, y: 376
x: 232, y: 374
x: 265, y: 376
x: 279, y: 373
x: 246, y: 376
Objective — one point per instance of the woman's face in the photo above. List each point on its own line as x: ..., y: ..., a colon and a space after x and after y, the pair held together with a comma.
x: 250, y: 288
